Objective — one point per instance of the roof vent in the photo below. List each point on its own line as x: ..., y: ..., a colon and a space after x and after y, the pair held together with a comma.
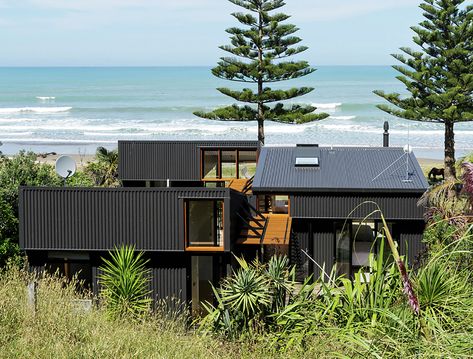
x: 307, y: 162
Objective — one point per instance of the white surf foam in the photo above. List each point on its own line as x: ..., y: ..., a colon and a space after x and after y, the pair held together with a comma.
x: 327, y: 106
x: 54, y: 140
x: 14, y: 110
x: 46, y: 98
x: 342, y: 117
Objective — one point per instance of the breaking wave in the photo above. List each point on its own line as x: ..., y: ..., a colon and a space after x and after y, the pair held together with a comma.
x: 15, y: 110
x: 342, y: 117
x: 327, y: 106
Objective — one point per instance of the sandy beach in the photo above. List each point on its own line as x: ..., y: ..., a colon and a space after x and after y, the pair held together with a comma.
x: 81, y: 160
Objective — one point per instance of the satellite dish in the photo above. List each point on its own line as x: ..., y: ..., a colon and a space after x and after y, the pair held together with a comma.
x: 65, y: 166
x: 407, y: 149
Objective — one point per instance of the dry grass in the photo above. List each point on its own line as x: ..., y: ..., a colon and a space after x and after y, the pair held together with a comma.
x: 58, y: 329
x: 427, y: 164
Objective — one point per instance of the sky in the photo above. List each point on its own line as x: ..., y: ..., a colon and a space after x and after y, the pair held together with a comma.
x: 188, y: 32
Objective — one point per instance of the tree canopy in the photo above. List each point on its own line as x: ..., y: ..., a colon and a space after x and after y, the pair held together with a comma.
x: 259, y: 55
x: 439, y: 74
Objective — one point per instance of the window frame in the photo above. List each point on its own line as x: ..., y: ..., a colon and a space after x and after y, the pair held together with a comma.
x: 219, y: 162
x: 191, y: 248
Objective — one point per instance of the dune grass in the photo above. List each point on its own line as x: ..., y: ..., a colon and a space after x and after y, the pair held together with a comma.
x: 59, y: 328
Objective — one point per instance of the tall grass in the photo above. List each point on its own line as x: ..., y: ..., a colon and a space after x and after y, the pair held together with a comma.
x: 59, y: 328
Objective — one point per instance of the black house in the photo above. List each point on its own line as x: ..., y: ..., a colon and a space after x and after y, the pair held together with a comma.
x: 190, y: 204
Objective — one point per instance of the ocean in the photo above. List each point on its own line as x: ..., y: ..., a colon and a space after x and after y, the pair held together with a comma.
x: 74, y: 110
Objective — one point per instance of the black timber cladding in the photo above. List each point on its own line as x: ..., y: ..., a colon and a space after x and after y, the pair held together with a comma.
x: 152, y: 219
x: 349, y: 169
x: 162, y: 160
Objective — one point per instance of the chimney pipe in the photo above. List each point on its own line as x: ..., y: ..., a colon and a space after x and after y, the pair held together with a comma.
x: 386, y: 134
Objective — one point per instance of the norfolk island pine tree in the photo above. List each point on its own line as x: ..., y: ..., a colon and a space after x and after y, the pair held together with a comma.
x: 259, y: 57
x: 438, y: 77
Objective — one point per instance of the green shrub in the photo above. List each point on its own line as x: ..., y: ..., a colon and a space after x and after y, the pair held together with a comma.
x: 124, y: 280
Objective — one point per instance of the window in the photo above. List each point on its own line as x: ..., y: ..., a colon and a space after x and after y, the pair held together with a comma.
x: 246, y: 164
x: 210, y: 164
x: 355, y: 242
x: 226, y: 164
x: 229, y: 164
x: 307, y: 162
x: 343, y: 242
x: 363, y: 238
x: 274, y: 204
x: 204, y: 224
x: 71, y: 265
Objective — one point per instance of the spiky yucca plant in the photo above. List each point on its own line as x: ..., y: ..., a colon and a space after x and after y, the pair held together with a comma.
x: 124, y: 280
x: 248, y: 300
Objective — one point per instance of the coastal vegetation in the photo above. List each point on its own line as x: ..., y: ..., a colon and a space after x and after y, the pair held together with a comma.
x: 23, y: 169
x: 260, y: 313
x: 124, y: 280
x: 260, y: 53
x: 438, y: 75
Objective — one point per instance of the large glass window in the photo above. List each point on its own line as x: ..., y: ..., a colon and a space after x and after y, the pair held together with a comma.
x: 204, y: 220
x: 246, y: 164
x: 363, y: 237
x: 210, y: 165
x: 343, y: 250
x: 354, y: 244
x: 229, y: 164
x: 202, y: 275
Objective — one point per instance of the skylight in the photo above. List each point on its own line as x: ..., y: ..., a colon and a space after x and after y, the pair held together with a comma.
x: 307, y: 161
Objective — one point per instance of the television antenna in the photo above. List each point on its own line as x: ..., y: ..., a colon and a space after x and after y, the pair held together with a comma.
x: 65, y: 167
x: 407, y: 149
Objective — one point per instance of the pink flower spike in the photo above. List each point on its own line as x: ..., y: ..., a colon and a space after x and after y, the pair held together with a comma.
x: 468, y: 177
x: 407, y: 287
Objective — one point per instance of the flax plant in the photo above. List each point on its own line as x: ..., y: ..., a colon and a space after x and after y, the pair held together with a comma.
x: 408, y: 289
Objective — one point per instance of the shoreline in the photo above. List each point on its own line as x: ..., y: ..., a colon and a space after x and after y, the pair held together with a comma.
x: 82, y: 159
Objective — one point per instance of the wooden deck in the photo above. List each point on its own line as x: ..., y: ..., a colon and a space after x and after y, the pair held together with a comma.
x: 278, y: 229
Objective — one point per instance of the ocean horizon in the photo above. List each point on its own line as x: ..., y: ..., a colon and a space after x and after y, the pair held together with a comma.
x: 75, y: 109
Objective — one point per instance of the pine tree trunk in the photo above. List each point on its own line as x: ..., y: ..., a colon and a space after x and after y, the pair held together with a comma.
x: 449, y: 160
x: 260, y: 86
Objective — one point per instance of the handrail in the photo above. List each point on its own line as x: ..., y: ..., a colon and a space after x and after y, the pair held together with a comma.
x: 248, y: 185
x: 257, y: 221
x: 251, y: 228
x: 258, y: 213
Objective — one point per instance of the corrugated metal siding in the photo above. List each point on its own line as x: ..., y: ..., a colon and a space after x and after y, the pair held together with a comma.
x: 411, y: 243
x: 169, y: 284
x: 324, y: 252
x: 300, y: 241
x: 102, y: 218
x: 345, y: 168
x: 162, y: 160
x: 340, y: 206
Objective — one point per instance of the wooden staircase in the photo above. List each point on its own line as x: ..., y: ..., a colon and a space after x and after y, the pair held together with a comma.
x: 265, y: 229
x: 254, y: 225
x: 242, y: 185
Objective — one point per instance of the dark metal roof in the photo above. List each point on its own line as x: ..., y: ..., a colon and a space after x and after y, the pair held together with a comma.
x: 359, y: 169
x: 162, y: 160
